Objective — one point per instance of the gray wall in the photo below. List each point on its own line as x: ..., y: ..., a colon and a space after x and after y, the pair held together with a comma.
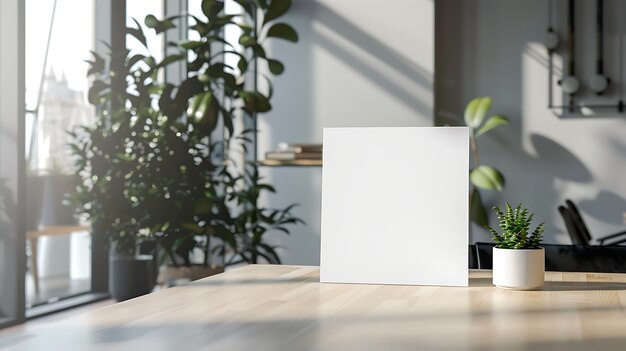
x: 357, y: 64
x: 493, y: 48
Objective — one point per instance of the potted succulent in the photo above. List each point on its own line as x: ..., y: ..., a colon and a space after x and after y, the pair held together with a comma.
x: 518, y: 260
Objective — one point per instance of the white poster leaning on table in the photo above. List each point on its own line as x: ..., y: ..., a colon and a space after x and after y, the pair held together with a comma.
x: 395, y: 206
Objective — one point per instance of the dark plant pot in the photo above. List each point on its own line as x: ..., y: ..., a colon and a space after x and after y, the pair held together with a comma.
x: 130, y: 276
x: 150, y: 247
x: 54, y: 212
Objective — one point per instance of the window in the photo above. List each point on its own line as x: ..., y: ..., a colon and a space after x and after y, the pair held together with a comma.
x: 58, y: 245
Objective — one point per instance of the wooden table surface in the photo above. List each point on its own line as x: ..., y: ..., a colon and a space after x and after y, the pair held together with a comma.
x: 262, y: 307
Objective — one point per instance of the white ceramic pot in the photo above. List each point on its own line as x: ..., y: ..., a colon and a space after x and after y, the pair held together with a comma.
x: 518, y: 269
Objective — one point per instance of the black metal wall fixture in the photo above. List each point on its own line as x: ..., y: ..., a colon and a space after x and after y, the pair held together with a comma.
x: 599, y: 83
x: 570, y: 83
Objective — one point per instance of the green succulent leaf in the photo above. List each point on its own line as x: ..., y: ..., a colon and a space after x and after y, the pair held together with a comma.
x: 476, y: 111
x: 491, y: 123
x: 487, y: 177
x: 515, y: 224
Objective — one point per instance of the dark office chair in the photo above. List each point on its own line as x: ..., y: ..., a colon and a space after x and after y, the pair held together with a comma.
x: 582, y: 231
x: 472, y: 264
x: 484, y: 255
x: 568, y: 258
x: 572, y: 229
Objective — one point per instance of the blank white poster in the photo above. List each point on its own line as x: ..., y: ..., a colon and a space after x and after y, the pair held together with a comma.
x: 395, y: 206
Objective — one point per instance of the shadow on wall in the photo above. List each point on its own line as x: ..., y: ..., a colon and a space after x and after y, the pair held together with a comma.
x: 492, y: 47
x: 565, y: 165
x: 607, y: 206
x: 292, y: 120
x: 330, y: 39
x: 377, y: 49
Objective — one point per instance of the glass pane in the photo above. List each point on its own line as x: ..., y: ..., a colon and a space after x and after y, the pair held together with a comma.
x: 59, y: 36
x: 138, y: 10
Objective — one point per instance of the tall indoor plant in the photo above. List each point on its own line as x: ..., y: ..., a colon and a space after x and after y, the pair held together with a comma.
x: 158, y: 164
x: 216, y: 92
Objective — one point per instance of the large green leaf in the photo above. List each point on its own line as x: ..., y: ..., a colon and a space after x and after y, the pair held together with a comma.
x: 242, y: 65
x: 248, y: 6
x: 137, y: 33
x: 134, y: 59
x: 247, y: 40
x: 276, y: 9
x: 211, y: 8
x: 190, y: 44
x: 476, y: 111
x: 275, y: 66
x: 159, y: 26
x: 255, y: 102
x: 96, y: 90
x: 194, y: 105
x: 487, y: 177
x: 170, y: 59
x: 283, y: 31
x: 478, y: 213
x: 188, y: 88
x: 491, y: 123
x: 97, y: 65
x: 205, y: 110
x: 258, y: 51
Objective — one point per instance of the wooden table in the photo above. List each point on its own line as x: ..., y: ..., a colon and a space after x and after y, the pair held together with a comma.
x: 262, y: 307
x: 33, y: 238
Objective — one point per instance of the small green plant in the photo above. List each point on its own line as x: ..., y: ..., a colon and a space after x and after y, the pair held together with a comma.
x: 515, y: 225
x: 481, y: 176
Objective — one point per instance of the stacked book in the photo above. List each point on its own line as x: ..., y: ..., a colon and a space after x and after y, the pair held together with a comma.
x: 292, y: 152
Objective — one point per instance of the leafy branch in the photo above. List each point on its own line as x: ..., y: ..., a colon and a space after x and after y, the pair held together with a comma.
x: 481, y: 176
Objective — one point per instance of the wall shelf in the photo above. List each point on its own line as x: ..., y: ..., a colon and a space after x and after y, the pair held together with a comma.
x: 294, y: 163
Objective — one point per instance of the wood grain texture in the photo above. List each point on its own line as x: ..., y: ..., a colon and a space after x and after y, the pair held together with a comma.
x: 263, y: 307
